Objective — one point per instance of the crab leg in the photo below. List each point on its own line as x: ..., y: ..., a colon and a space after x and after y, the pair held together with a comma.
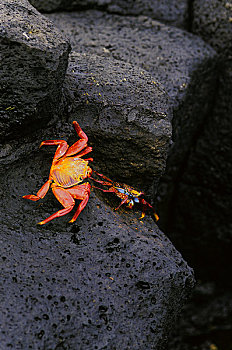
x: 102, y: 183
x: 145, y: 204
x: 79, y: 131
x: 104, y: 177
x: 41, y: 193
x: 81, y: 192
x: 61, y: 149
x: 65, y: 198
x: 80, y: 144
x: 109, y: 190
x: 84, y: 152
x: 112, y: 190
x: 122, y: 202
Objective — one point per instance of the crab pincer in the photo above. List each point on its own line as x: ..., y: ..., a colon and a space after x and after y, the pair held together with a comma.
x: 67, y: 173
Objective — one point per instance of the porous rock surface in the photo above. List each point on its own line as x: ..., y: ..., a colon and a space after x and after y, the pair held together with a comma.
x: 204, y: 184
x: 108, y: 281
x: 205, y: 189
x: 183, y: 63
x: 212, y: 20
x: 174, y: 12
x: 205, y: 323
x: 171, y: 55
x: 33, y: 63
x: 72, y: 280
x: 112, y: 100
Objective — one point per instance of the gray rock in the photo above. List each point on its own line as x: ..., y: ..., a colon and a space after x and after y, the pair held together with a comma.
x: 200, y: 198
x: 212, y: 20
x: 34, y: 58
x: 182, y: 62
x: 211, y: 304
x: 173, y: 12
x: 107, y: 281
x: 205, y: 189
x: 170, y: 54
x: 50, y: 5
x: 130, y: 131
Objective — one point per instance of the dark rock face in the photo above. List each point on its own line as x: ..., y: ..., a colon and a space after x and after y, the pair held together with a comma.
x: 186, y: 71
x: 212, y: 21
x: 110, y: 281
x: 49, y: 5
x: 33, y: 63
x: 200, y: 198
x: 205, y: 189
x: 206, y: 321
x: 171, y: 55
x: 111, y: 100
x: 107, y: 281
x: 173, y: 12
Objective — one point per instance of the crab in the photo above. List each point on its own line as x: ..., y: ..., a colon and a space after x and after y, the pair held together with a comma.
x: 66, y: 177
x: 126, y: 193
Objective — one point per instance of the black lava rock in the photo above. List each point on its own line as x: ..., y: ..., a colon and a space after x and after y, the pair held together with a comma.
x: 34, y: 56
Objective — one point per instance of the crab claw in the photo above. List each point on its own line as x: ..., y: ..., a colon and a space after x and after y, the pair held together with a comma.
x: 145, y: 206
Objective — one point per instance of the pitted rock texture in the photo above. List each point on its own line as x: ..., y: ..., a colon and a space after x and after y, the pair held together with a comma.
x: 49, y: 5
x: 199, y: 194
x: 34, y: 56
x: 108, y: 281
x: 173, y: 12
x: 212, y: 20
x: 205, y: 323
x: 128, y: 128
x: 171, y: 55
x: 205, y: 189
x: 183, y: 63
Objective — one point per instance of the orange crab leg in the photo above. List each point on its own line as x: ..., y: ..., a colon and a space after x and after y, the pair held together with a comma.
x: 102, y: 183
x: 79, y: 131
x: 41, y: 193
x: 145, y: 204
x: 61, y: 149
x: 104, y: 177
x: 109, y: 190
x: 80, y: 144
x: 112, y: 190
x: 122, y: 202
x: 80, y: 192
x: 85, y: 151
x: 65, y: 198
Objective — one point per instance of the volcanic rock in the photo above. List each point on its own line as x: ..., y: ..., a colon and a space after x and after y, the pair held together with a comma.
x: 107, y: 281
x: 34, y: 56
x: 174, y: 12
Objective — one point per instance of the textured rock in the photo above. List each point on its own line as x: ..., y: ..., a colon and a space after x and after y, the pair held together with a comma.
x: 127, y: 127
x: 183, y: 63
x: 50, y: 5
x: 201, y: 192
x: 205, y: 189
x: 212, y: 20
x: 34, y: 58
x: 206, y: 321
x: 107, y: 281
x: 171, y: 55
x: 173, y: 12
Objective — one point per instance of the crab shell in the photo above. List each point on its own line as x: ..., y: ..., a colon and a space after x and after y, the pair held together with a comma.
x: 70, y: 171
x: 67, y: 172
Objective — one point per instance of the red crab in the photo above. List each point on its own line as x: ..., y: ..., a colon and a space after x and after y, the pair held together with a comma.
x: 67, y: 172
x: 127, y: 194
